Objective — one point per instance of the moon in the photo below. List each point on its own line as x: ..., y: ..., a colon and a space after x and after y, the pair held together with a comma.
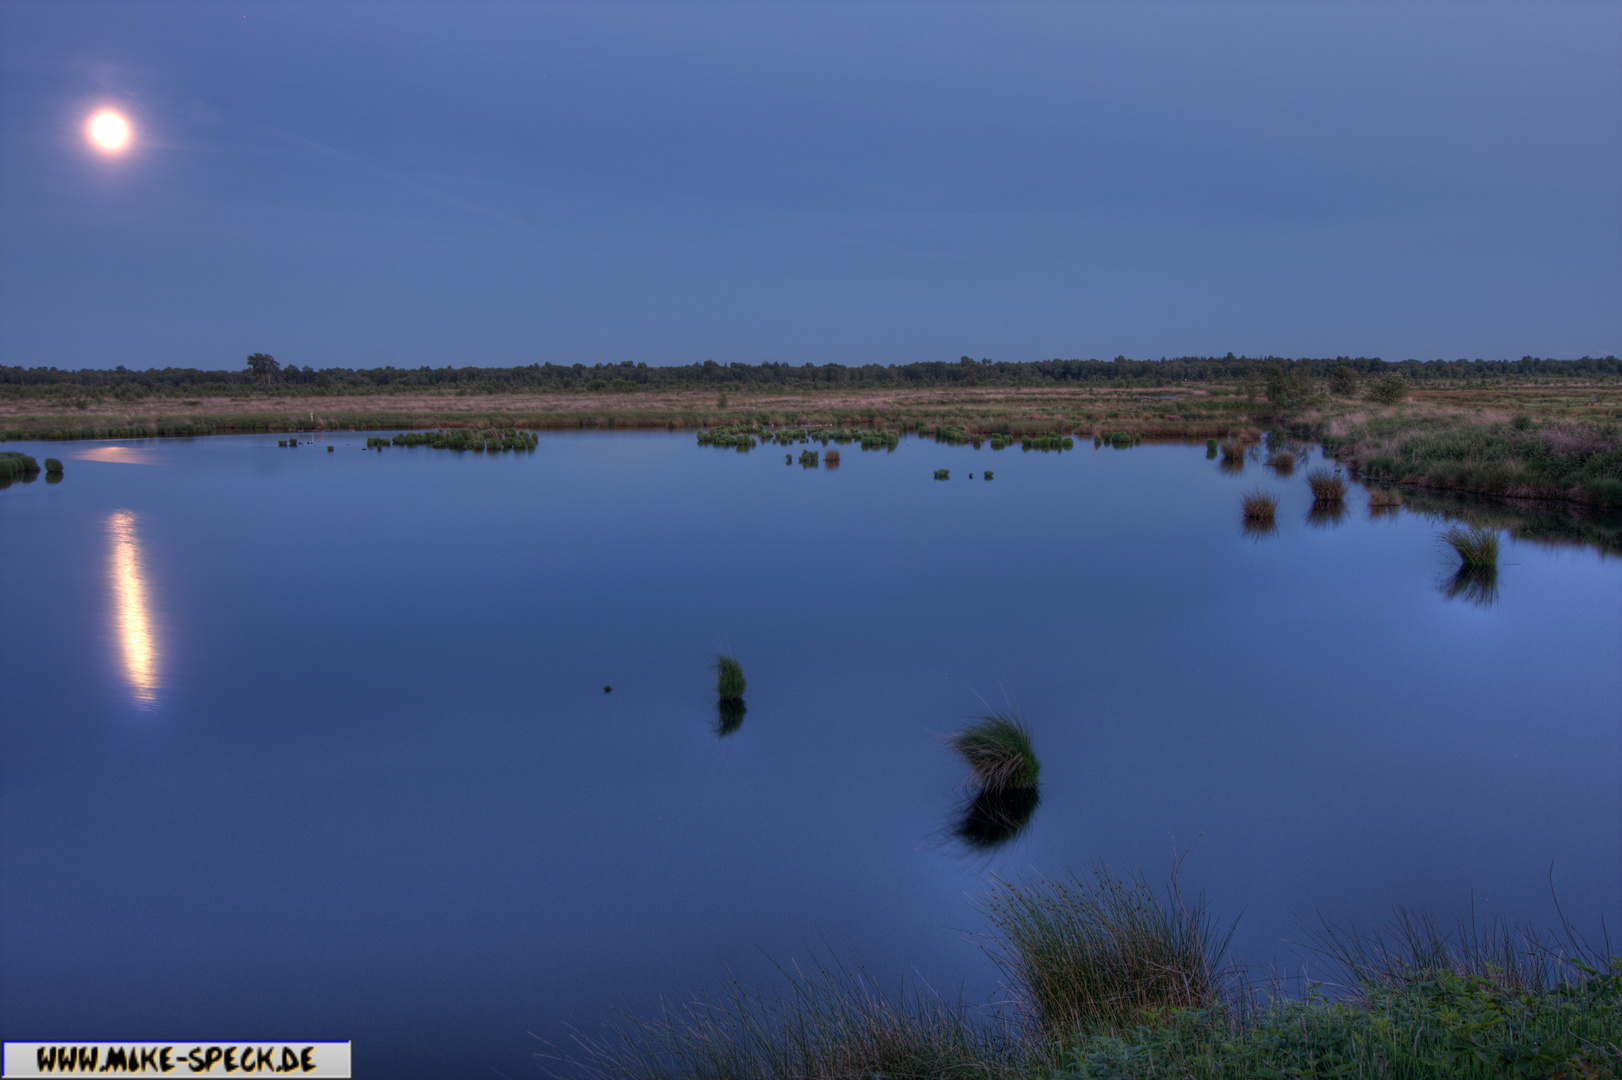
x: 109, y: 131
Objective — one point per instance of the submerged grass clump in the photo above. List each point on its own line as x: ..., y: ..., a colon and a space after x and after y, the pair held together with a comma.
x: 1233, y: 452
x: 943, y: 474
x: 1327, y: 487
x: 729, y: 680
x: 1477, y: 546
x: 998, y: 748
x: 1259, y: 505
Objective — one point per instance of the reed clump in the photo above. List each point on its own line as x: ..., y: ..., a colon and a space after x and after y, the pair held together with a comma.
x: 1210, y: 448
x: 1259, y: 505
x: 831, y: 458
x: 1233, y: 452
x: 943, y: 474
x: 998, y: 748
x: 729, y: 680
x: 53, y: 467
x: 808, y: 459
x: 1104, y: 955
x: 1477, y: 546
x: 1327, y: 487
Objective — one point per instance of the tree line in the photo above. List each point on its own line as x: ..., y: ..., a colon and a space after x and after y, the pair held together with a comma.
x: 263, y: 373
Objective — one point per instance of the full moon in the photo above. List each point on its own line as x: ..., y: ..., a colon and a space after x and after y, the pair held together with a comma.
x: 109, y: 131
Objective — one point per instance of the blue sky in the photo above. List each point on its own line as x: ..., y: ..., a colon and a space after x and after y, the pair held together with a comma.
x: 352, y: 184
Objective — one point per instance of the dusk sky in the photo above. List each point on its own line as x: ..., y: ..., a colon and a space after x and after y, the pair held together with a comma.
x: 351, y: 184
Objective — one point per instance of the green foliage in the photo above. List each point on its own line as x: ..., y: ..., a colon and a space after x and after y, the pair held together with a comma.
x: 808, y: 459
x: 1210, y: 448
x: 16, y: 466
x: 1233, y: 451
x: 988, y: 474
x: 997, y: 747
x: 1388, y: 389
x: 1343, y: 381
x: 53, y: 465
x: 943, y: 474
x: 1289, y: 386
x: 263, y: 366
x: 729, y: 680
x: 1047, y: 443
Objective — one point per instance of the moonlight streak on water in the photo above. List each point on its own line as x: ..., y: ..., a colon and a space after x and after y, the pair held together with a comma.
x: 132, y: 619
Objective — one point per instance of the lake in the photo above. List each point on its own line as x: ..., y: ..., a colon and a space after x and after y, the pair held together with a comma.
x: 316, y: 745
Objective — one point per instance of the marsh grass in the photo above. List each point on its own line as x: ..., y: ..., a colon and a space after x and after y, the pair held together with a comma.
x: 1105, y: 954
x: 1210, y: 448
x: 1477, y: 546
x: 830, y: 459
x: 53, y: 466
x: 1259, y: 505
x: 16, y: 466
x: 1327, y: 487
x: 729, y: 680
x: 831, y: 1022
x: 997, y: 747
x: 1324, y: 515
x: 943, y: 474
x: 1476, y: 584
x: 1233, y: 451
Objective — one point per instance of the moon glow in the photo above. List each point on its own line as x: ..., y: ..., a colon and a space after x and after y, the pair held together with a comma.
x: 109, y: 131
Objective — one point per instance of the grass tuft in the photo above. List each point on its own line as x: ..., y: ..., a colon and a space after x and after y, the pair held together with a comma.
x: 998, y: 748
x: 1327, y: 487
x: 1384, y: 500
x: 1090, y: 957
x: 1259, y: 505
x: 729, y: 680
x: 1477, y: 546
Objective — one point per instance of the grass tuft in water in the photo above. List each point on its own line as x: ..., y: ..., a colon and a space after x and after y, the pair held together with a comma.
x: 1233, y: 451
x: 53, y: 466
x: 943, y: 474
x: 998, y: 748
x: 729, y: 680
x: 1259, y: 505
x: 1104, y: 955
x: 729, y: 716
x: 1477, y: 546
x: 1327, y: 487
x: 1384, y: 500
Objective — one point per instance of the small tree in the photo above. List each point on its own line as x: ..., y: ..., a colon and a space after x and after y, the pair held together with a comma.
x: 1388, y: 389
x: 263, y: 364
x: 1344, y: 381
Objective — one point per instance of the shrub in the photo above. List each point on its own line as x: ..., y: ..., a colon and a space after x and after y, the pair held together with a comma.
x: 52, y: 465
x: 943, y: 474
x: 1343, y: 381
x: 1388, y: 389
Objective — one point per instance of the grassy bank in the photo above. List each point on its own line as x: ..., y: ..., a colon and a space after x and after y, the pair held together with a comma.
x: 1109, y: 980
x: 1545, y: 430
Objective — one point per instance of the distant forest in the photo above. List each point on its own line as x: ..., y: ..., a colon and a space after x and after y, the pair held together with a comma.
x: 269, y: 377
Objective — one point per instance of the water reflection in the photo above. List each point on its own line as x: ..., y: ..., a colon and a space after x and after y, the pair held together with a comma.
x: 1326, y: 515
x: 994, y: 817
x: 1477, y: 585
x: 729, y: 716
x: 132, y: 617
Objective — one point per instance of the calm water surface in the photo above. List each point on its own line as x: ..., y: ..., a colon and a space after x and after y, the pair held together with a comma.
x: 309, y: 745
